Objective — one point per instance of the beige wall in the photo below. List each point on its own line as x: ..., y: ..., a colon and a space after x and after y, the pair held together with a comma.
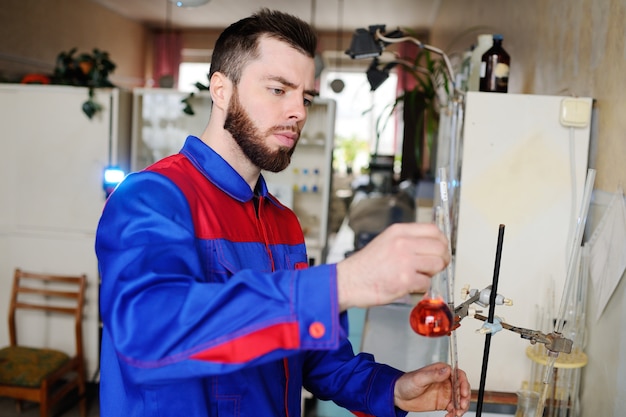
x: 34, y: 32
x: 563, y: 47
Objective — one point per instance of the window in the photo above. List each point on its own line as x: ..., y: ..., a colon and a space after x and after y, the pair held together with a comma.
x: 359, y: 110
x: 190, y: 73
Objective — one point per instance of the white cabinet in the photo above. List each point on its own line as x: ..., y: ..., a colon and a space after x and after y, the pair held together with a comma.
x: 160, y: 126
x: 52, y: 197
x: 306, y: 184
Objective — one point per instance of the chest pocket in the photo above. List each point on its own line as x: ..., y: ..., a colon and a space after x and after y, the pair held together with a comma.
x: 295, y: 260
x: 222, y: 259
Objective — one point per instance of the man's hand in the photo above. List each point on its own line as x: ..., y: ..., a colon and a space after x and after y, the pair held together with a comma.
x: 430, y: 389
x: 399, y: 261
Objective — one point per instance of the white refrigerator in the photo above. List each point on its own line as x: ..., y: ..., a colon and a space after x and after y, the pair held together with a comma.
x: 52, y: 195
x: 524, y: 163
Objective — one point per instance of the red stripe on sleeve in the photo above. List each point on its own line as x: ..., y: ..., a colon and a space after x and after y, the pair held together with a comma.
x: 253, y: 345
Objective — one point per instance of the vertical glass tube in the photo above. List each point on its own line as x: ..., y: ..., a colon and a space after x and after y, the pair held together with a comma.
x: 570, y: 284
x: 574, y: 258
x: 432, y: 317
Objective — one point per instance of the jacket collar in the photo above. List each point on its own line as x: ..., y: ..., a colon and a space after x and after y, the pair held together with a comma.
x: 221, y: 173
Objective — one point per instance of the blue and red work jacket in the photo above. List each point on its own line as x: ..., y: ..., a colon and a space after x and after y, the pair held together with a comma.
x: 209, y: 308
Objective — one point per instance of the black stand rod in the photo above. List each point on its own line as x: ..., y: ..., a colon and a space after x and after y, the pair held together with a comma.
x: 492, y: 308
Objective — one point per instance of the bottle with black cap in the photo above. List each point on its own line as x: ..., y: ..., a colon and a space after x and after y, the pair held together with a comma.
x: 494, y: 68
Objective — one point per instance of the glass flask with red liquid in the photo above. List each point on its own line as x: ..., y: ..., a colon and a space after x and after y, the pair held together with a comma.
x: 431, y: 317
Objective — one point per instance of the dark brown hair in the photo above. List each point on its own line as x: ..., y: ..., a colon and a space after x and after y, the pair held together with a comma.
x: 238, y: 43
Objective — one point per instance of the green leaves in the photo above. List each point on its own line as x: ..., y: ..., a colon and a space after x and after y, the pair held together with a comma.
x: 90, y: 108
x: 85, y: 70
x: 188, y: 109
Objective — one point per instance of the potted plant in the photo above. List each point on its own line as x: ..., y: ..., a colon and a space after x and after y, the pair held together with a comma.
x: 85, y: 70
x: 420, y: 105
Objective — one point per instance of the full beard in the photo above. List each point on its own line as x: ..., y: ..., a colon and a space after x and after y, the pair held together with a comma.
x: 251, y: 140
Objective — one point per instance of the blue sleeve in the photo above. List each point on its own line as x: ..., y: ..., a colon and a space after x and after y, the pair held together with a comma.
x: 352, y: 381
x: 165, y: 321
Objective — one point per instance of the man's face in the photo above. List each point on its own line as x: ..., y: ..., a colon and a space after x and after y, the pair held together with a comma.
x: 267, y: 109
x: 251, y: 139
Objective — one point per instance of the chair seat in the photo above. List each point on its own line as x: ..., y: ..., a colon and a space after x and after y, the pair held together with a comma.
x: 27, y: 367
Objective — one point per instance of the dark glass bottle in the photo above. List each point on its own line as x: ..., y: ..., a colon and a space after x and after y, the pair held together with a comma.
x: 494, y: 68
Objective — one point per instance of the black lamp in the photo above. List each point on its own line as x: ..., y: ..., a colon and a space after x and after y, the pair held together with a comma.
x: 364, y: 43
x: 377, y: 76
x: 368, y: 43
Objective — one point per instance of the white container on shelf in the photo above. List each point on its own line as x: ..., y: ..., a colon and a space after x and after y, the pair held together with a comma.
x: 484, y: 42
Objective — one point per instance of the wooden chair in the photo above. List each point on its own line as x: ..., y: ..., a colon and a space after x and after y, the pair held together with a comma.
x: 39, y: 374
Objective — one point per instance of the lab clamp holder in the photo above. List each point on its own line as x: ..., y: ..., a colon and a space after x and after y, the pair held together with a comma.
x: 554, y: 342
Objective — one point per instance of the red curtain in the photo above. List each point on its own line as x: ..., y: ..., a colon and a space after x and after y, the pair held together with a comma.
x: 167, y: 58
x: 406, y: 51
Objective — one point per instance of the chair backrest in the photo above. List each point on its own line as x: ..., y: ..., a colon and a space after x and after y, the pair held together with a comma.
x: 52, y: 294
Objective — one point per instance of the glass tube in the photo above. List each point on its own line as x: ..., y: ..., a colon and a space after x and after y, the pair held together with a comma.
x: 432, y: 317
x: 570, y: 283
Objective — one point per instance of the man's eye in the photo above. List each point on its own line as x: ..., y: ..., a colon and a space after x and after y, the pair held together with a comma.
x: 277, y: 91
x: 307, y: 102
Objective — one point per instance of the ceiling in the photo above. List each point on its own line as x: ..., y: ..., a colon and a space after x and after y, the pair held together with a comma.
x: 325, y: 15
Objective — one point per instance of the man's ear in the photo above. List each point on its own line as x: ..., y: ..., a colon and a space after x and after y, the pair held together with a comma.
x: 221, y: 89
